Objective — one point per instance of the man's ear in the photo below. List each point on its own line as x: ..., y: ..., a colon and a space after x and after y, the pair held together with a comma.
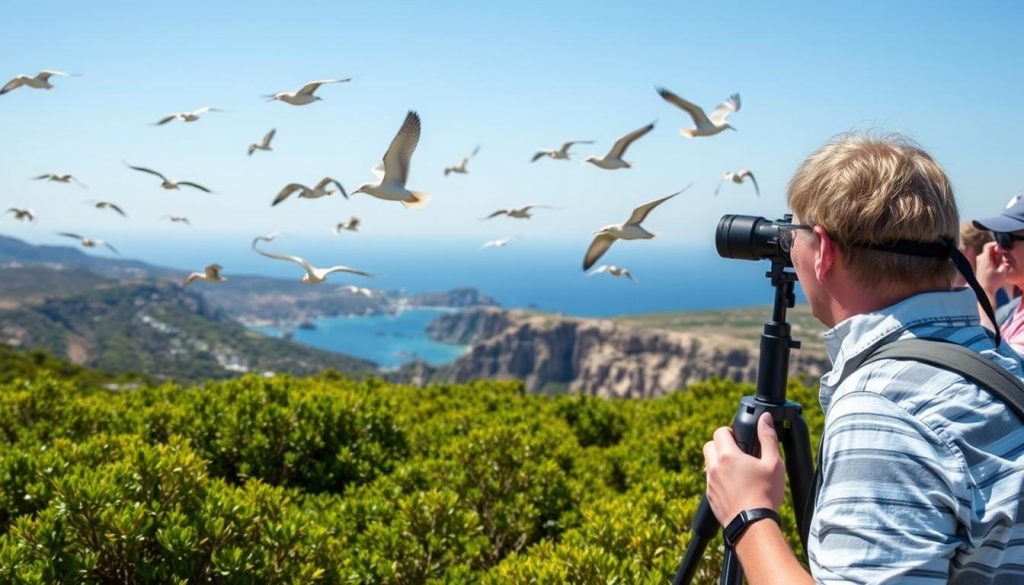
x: 827, y: 253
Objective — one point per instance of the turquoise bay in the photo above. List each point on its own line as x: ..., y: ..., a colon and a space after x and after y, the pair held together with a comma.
x: 389, y: 340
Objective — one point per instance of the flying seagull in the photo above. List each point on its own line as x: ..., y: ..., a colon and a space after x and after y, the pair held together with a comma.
x: 630, y: 230
x: 108, y: 205
x: 168, y: 183
x: 186, y: 116
x: 25, y: 214
x: 65, y: 178
x: 613, y: 270
x: 177, y: 219
x: 613, y: 160
x: 737, y: 178
x: 393, y: 172
x: 265, y: 145
x: 357, y: 290
x: 351, y: 225
x: 89, y: 243
x: 496, y: 243
x: 40, y: 81
x: 461, y: 168
x: 318, y: 190
x: 561, y: 153
x: 209, y: 274
x: 706, y: 125
x: 313, y: 274
x: 305, y: 95
x: 520, y: 213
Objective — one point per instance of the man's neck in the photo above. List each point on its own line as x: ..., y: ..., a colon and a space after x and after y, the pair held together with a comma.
x: 859, y: 302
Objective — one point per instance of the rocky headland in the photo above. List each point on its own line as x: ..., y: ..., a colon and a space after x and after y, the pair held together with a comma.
x: 557, y: 354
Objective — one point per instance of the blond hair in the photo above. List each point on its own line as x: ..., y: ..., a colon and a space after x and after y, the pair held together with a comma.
x: 974, y: 238
x: 868, y: 190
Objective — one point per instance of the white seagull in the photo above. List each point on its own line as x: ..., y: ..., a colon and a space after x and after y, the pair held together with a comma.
x: 65, y: 178
x: 209, y: 274
x: 496, y: 243
x: 317, y: 191
x: 108, y: 205
x: 613, y: 160
x: 177, y: 219
x: 169, y: 183
x: 351, y: 225
x: 737, y: 178
x: 186, y: 116
x: 706, y: 125
x: 24, y: 214
x: 393, y: 172
x: 613, y: 270
x: 89, y: 243
x: 461, y: 168
x: 265, y: 144
x: 630, y: 230
x: 357, y: 290
x: 313, y: 274
x: 561, y: 153
x: 303, y: 96
x: 520, y: 213
x: 40, y: 81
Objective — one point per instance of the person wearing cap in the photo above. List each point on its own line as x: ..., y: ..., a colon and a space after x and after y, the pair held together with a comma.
x: 1001, y: 265
x: 922, y: 471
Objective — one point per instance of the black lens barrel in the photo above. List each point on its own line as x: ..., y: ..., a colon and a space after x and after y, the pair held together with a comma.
x: 747, y: 237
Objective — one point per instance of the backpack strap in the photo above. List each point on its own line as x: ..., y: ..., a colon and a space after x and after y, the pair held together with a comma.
x: 941, y: 354
x: 961, y: 360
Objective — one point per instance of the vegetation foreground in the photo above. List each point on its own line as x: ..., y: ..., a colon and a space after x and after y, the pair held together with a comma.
x: 326, y: 479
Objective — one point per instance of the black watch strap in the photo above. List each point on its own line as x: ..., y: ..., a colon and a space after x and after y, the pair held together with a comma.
x: 743, y: 520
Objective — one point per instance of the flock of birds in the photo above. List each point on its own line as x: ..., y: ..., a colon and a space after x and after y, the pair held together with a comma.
x: 392, y: 175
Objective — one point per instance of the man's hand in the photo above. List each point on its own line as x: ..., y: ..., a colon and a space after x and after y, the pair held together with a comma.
x: 991, y: 269
x: 737, y: 481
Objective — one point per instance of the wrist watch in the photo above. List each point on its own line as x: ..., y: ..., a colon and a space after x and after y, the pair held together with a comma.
x: 743, y: 520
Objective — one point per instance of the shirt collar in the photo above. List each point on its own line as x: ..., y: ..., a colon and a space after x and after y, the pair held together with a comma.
x: 860, y: 333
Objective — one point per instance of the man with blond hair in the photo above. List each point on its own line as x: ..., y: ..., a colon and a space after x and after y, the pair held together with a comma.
x: 922, y: 471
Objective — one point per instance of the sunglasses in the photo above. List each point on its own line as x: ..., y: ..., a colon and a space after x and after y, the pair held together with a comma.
x: 787, y: 233
x: 1005, y: 240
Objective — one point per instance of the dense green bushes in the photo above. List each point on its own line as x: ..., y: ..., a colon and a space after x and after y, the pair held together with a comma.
x: 325, y: 479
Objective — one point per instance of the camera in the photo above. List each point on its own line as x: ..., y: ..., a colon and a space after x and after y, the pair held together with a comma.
x: 747, y: 237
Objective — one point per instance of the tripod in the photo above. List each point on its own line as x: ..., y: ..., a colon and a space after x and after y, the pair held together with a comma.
x: 772, y: 372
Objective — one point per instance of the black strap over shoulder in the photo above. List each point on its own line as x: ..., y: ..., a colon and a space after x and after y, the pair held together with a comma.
x: 944, y: 355
x: 958, y: 359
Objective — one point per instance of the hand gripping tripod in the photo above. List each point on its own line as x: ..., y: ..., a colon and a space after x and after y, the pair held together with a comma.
x: 772, y: 371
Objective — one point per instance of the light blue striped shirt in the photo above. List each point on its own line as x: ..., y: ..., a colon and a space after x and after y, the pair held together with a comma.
x: 923, y: 471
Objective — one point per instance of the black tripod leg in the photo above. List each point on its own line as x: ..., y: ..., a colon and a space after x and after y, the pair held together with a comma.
x: 796, y: 443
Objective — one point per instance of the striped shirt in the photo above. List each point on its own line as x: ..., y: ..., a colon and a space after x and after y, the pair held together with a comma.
x: 923, y: 472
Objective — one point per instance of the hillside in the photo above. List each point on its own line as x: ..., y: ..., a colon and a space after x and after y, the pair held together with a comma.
x: 244, y: 298
x: 155, y: 328
x: 332, y: 480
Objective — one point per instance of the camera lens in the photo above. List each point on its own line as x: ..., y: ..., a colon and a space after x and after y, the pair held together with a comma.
x: 747, y: 237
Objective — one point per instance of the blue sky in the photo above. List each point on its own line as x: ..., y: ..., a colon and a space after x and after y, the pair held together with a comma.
x: 512, y: 77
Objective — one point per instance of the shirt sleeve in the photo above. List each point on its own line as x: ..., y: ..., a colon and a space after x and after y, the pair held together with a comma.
x: 887, y: 509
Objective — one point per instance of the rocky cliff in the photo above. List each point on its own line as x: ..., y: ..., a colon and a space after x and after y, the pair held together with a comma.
x: 598, y: 357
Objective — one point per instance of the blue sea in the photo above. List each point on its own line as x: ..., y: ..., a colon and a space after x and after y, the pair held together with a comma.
x: 389, y: 340
x: 546, y: 276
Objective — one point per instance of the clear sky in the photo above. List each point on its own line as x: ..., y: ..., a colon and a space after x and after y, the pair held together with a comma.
x: 513, y: 77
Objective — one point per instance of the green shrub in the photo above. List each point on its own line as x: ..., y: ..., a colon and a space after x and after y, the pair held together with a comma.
x: 331, y: 480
